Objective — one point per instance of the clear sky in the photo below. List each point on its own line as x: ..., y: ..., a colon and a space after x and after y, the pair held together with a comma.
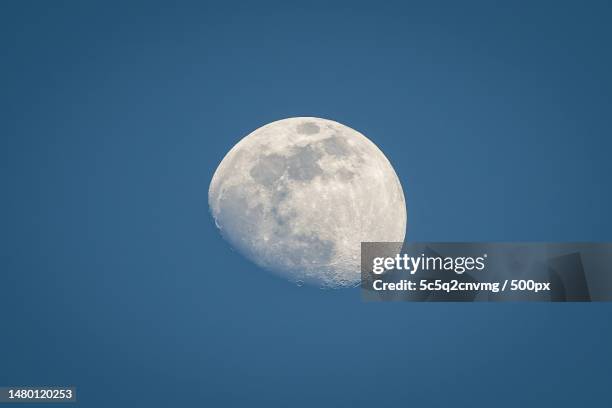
x: 496, y: 116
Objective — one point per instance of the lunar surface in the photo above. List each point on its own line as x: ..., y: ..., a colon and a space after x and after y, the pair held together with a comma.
x: 298, y: 196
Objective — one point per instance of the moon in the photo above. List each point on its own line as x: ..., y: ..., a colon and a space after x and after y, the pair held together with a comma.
x: 299, y: 195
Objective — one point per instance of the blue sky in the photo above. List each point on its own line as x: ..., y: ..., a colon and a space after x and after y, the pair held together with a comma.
x: 496, y: 117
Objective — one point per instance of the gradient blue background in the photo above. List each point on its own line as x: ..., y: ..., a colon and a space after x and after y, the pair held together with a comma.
x: 497, y: 118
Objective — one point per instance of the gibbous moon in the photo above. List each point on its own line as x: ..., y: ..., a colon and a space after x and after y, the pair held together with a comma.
x: 298, y: 196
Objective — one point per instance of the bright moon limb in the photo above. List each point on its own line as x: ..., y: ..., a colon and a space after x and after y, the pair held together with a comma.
x: 299, y: 195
